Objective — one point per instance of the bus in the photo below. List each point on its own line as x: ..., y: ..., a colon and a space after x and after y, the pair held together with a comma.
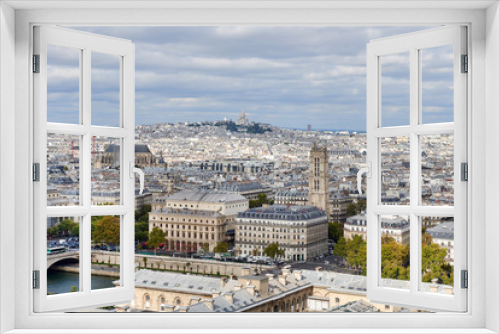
x: 56, y: 250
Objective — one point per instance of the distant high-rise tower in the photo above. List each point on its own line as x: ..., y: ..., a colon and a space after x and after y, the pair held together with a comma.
x: 318, y: 177
x: 309, y: 127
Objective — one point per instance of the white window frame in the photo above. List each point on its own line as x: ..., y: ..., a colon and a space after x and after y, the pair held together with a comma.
x: 483, y: 20
x: 86, y: 44
x: 413, y: 43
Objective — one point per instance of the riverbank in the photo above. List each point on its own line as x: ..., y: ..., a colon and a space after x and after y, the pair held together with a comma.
x: 97, y: 269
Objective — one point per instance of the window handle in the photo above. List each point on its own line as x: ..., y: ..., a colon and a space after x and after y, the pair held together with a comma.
x: 368, y: 171
x: 139, y: 171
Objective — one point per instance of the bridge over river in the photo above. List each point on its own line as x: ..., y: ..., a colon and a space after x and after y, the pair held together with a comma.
x: 198, y: 266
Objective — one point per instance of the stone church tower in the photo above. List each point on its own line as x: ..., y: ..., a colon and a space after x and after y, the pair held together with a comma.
x: 318, y: 178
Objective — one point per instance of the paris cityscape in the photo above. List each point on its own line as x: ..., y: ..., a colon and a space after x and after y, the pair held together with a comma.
x: 241, y: 216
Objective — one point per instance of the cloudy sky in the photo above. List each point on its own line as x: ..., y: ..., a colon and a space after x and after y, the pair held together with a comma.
x: 286, y: 76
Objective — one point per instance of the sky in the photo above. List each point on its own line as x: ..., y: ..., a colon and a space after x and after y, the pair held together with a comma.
x: 285, y: 76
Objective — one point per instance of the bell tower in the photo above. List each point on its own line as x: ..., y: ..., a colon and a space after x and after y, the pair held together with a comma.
x: 318, y: 177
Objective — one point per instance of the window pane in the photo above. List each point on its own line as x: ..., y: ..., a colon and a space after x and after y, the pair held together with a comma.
x: 395, y: 170
x: 63, y: 84
x: 437, y: 169
x: 105, y: 251
x: 437, y: 254
x: 105, y: 89
x: 437, y: 84
x: 63, y: 247
x: 395, y: 252
x: 395, y: 89
x: 106, y: 171
x: 63, y: 170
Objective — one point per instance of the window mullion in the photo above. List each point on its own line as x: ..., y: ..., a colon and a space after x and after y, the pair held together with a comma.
x: 86, y: 173
x: 415, y: 86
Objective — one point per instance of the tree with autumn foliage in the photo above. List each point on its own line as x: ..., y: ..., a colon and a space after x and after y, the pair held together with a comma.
x: 156, y: 238
x: 106, y: 231
x: 433, y: 262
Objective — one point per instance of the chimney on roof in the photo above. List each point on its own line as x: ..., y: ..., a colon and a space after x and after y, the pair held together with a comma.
x: 318, y: 269
x: 282, y: 279
x: 251, y: 290
x: 237, y: 287
x: 223, y: 282
x: 209, y: 303
x: 245, y: 271
x: 286, y: 271
x: 298, y: 274
x: 229, y: 297
x: 270, y: 276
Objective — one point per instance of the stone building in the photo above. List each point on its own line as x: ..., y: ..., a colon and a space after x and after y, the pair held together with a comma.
x: 444, y: 235
x: 395, y: 227
x: 143, y: 157
x: 287, y: 291
x: 242, y: 119
x: 291, y: 197
x: 250, y: 190
x: 301, y: 231
x: 195, y: 219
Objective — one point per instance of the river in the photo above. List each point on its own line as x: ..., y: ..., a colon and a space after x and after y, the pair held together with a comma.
x: 61, y: 282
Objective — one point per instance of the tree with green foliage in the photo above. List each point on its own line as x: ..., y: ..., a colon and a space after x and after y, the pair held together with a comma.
x: 356, y: 253
x: 395, y: 259
x: 273, y: 251
x: 142, y: 231
x: 433, y: 262
x: 205, y: 247
x: 73, y: 289
x: 221, y: 247
x: 156, y: 238
x: 64, y: 228
x: 340, y: 248
x: 351, y: 210
x: 75, y: 230
x: 360, y: 206
x: 106, y: 231
x: 335, y: 231
x: 143, y: 213
x: 260, y: 201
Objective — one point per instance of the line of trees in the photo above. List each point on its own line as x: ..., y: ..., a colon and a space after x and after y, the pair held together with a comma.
x: 395, y: 258
x: 66, y: 227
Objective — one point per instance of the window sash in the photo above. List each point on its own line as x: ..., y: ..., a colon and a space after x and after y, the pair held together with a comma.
x: 86, y: 43
x: 414, y: 298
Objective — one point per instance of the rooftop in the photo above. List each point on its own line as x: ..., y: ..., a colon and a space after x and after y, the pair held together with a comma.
x: 442, y: 231
x: 284, y: 212
x: 202, y: 195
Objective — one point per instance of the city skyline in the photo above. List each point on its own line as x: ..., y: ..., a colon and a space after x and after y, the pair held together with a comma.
x: 276, y: 74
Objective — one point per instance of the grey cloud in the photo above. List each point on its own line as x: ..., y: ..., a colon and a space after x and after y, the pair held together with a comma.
x: 287, y: 76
